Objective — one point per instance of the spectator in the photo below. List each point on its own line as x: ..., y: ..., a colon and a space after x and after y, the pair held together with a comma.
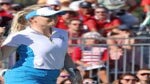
x: 105, y: 21
x: 90, y: 58
x: 119, y: 40
x: 63, y: 19
x: 127, y: 18
x: 54, y: 4
x: 145, y: 4
x: 6, y: 4
x: 75, y: 30
x: 86, y: 15
x: 16, y: 7
x: 146, y: 8
x: 75, y: 4
x: 64, y: 75
x: 143, y: 76
x: 127, y: 78
x: 122, y: 9
x: 6, y: 14
x: 119, y: 4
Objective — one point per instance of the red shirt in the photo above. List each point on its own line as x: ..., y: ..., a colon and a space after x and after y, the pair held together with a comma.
x: 95, y: 54
x: 73, y: 41
x: 90, y: 23
x: 6, y: 16
x: 88, y: 20
x: 4, y: 13
x: 144, y: 3
x: 107, y: 24
x: 61, y: 23
x: 74, y: 35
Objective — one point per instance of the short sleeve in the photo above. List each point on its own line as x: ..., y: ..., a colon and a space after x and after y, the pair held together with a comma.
x: 62, y: 34
x: 12, y: 40
x: 91, y: 23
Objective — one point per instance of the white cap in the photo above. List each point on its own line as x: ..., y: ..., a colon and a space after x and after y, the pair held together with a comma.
x: 5, y: 1
x: 94, y: 35
x: 75, y: 5
x: 53, y: 2
x: 45, y: 11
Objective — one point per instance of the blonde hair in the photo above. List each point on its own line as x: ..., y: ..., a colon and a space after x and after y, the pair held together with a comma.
x: 19, y: 22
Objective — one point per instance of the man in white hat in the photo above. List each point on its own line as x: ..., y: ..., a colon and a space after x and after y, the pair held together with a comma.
x: 54, y: 4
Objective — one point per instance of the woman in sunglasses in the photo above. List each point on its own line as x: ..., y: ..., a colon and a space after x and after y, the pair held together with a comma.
x: 127, y: 78
x: 143, y: 76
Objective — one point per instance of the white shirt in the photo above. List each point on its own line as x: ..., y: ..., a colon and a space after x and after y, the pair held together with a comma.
x: 38, y: 51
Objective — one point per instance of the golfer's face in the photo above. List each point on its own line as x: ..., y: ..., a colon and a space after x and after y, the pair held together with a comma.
x: 47, y: 21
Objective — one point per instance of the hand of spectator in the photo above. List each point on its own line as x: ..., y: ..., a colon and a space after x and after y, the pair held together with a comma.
x: 115, y: 54
x: 99, y: 63
x: 86, y: 65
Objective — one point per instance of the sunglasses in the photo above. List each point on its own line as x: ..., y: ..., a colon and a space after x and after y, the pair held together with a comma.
x: 76, y: 24
x: 93, y: 82
x: 143, y: 74
x: 130, y: 80
x: 100, y: 11
x: 4, y: 3
x: 64, y: 76
x: 50, y: 18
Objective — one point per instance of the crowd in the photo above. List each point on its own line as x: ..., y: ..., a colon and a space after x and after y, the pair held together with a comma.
x: 87, y: 23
